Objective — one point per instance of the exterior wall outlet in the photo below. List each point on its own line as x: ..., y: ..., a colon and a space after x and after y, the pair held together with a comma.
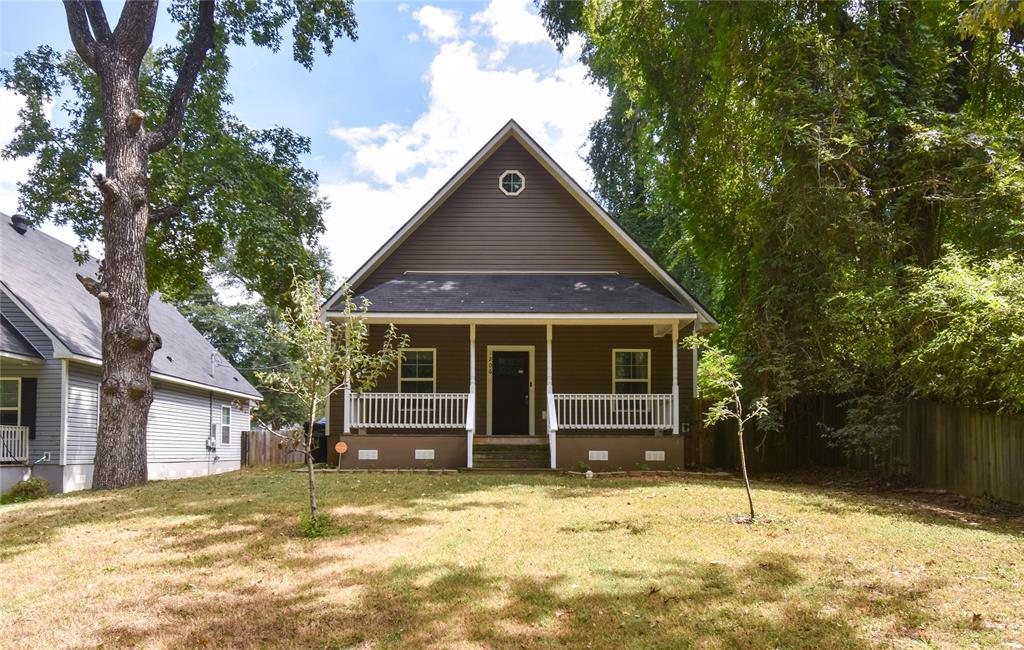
x: 46, y: 456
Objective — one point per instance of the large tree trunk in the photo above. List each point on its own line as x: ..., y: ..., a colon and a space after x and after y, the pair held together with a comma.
x: 128, y: 341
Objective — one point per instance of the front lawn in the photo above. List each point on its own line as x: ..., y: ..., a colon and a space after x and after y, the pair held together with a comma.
x: 504, y: 561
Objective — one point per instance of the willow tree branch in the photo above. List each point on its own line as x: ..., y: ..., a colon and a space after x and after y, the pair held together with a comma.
x: 202, y: 43
x: 81, y: 36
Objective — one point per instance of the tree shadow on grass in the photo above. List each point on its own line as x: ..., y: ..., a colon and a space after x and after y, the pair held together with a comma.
x: 445, y: 605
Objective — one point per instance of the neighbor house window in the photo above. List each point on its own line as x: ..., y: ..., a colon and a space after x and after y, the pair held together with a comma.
x: 631, y: 371
x: 225, y: 425
x: 10, y: 401
x: 511, y: 182
x: 417, y: 371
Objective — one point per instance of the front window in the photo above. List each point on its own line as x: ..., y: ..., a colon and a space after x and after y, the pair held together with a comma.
x: 225, y: 425
x: 631, y: 372
x: 417, y: 372
x: 10, y: 401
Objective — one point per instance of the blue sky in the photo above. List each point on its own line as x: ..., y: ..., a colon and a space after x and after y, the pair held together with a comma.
x: 392, y: 115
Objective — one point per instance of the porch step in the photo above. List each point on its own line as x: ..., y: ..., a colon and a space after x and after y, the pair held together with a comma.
x: 503, y: 456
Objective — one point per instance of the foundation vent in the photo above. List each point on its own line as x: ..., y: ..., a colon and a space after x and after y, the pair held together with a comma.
x: 654, y: 455
x: 367, y: 454
x: 424, y: 454
x: 597, y: 454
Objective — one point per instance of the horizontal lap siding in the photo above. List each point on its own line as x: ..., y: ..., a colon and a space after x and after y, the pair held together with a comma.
x: 49, y: 408
x: 451, y: 364
x: 179, y: 424
x: 479, y: 228
x: 581, y: 358
x: 83, y: 411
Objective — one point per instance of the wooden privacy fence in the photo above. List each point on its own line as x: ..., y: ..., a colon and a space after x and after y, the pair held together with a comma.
x: 968, y: 451
x: 264, y: 448
x: 972, y: 452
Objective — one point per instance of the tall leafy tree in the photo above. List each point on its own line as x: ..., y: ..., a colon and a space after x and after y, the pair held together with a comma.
x: 182, y: 177
x: 809, y: 156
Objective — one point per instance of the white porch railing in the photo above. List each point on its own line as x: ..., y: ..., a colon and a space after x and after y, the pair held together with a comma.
x: 613, y: 411
x: 407, y: 410
x: 13, y: 444
x: 470, y: 427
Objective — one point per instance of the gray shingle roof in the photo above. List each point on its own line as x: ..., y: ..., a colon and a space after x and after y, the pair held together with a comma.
x: 520, y: 294
x: 13, y: 342
x: 40, y: 271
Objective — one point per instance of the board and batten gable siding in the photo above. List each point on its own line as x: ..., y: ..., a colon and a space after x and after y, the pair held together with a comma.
x: 479, y: 228
x: 49, y: 406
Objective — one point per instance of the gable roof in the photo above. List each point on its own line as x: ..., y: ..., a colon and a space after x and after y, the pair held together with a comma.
x: 38, y: 272
x: 513, y: 130
x: 519, y: 293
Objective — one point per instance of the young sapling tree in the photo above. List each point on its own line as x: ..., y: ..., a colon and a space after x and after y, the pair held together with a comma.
x: 327, y: 356
x: 718, y: 381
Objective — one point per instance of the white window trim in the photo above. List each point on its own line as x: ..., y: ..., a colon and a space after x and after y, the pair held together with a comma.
x: 17, y: 408
x: 505, y: 173
x: 224, y: 407
x: 646, y: 381
x: 433, y: 367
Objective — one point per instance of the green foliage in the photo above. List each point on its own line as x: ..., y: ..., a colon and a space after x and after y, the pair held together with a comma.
x: 802, y: 164
x: 316, y: 527
x: 34, y: 488
x: 220, y: 189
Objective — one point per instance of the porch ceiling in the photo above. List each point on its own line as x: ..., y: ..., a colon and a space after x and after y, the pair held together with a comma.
x: 520, y: 294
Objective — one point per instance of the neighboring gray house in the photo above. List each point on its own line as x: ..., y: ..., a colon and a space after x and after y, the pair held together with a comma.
x: 50, y: 374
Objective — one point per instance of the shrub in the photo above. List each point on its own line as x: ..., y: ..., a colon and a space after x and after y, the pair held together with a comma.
x: 321, y: 526
x: 33, y: 488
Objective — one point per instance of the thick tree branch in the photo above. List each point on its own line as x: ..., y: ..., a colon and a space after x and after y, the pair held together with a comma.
x: 81, y: 36
x: 202, y: 43
x: 98, y: 20
x: 94, y: 287
x: 166, y: 213
x: 134, y: 32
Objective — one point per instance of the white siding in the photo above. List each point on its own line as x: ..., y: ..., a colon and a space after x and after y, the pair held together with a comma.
x: 48, y: 375
x: 179, y: 424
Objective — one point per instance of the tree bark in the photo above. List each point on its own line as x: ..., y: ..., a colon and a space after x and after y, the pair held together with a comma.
x: 128, y: 342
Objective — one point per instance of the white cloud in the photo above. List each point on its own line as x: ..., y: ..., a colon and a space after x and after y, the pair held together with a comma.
x: 438, y: 24
x: 510, y: 22
x: 413, y: 37
x: 398, y: 167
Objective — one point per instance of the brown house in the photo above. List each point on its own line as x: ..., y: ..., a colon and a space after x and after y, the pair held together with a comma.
x: 541, y: 334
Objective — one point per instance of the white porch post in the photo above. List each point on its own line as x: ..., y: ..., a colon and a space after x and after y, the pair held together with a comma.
x: 675, y: 378
x: 550, y: 401
x: 471, y: 406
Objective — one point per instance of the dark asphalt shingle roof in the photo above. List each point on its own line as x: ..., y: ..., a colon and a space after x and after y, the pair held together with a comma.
x: 519, y: 294
x: 40, y: 271
x: 13, y: 342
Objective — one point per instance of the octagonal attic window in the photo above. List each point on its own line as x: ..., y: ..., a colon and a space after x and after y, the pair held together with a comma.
x: 511, y: 182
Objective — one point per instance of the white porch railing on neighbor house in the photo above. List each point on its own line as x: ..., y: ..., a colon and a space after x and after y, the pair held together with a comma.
x: 13, y: 444
x: 613, y: 411
x: 407, y: 410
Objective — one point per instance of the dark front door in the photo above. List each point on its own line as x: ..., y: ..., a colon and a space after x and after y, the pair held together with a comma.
x: 510, y: 402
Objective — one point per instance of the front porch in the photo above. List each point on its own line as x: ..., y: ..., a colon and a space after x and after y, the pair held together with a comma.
x: 603, y: 394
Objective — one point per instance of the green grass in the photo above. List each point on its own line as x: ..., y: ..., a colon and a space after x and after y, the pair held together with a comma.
x: 414, y: 560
